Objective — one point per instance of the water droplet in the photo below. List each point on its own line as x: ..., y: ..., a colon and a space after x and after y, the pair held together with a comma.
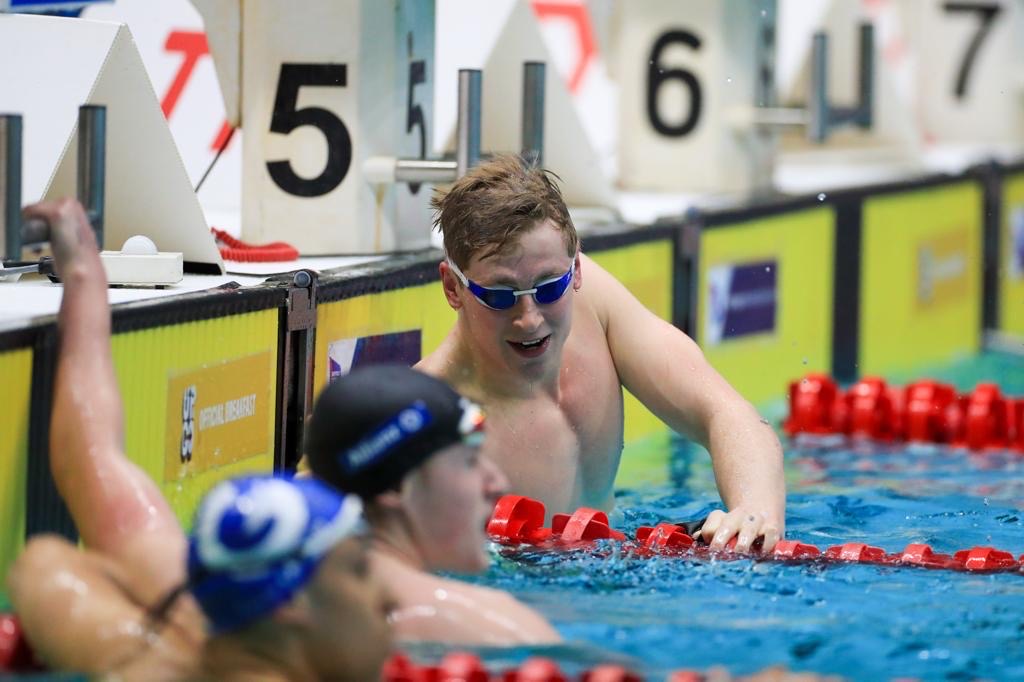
x: 821, y: 197
x: 805, y: 361
x: 767, y: 268
x: 803, y: 381
x: 728, y: 80
x: 764, y: 13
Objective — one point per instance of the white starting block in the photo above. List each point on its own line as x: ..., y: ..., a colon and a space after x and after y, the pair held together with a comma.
x: 323, y: 87
x: 90, y: 62
x: 138, y: 263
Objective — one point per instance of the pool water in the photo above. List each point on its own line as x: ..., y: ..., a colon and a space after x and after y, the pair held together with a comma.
x: 864, y: 622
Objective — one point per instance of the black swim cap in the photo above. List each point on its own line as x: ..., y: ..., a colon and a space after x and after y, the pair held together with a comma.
x: 374, y: 425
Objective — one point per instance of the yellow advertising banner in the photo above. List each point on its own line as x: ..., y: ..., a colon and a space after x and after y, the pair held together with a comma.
x: 765, y: 297
x: 16, y: 370
x: 921, y: 270
x: 229, y: 360
x: 217, y: 415
x: 1011, y: 269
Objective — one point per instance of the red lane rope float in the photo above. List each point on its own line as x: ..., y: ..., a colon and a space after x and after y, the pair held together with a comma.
x: 517, y: 520
x: 926, y: 411
x: 16, y: 656
x: 237, y: 250
x: 466, y: 667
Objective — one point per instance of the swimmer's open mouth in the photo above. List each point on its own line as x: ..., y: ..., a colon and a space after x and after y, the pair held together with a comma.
x: 531, y: 348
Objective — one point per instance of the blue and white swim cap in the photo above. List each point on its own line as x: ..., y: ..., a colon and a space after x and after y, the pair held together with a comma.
x: 257, y: 540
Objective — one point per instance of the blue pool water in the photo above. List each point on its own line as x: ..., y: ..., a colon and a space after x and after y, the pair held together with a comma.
x: 865, y: 622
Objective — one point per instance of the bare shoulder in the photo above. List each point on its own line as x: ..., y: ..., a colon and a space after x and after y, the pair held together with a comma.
x: 63, y: 597
x: 440, y: 361
x: 79, y: 613
x: 438, y: 609
x: 600, y: 291
x: 434, y: 363
x: 447, y: 362
x: 489, y: 605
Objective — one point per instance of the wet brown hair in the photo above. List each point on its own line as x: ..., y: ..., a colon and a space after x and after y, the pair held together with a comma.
x: 487, y: 209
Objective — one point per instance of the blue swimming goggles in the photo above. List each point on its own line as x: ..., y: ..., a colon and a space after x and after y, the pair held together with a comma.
x: 503, y: 298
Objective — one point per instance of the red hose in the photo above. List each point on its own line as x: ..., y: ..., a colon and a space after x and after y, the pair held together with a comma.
x: 236, y: 250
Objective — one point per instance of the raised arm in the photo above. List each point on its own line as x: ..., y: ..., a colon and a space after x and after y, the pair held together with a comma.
x: 117, y: 508
x: 666, y: 370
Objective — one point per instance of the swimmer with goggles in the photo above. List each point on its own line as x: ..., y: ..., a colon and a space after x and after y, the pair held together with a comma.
x: 505, y: 298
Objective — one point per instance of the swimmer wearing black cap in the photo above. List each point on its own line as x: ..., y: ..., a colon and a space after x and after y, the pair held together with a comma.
x: 273, y: 584
x: 410, y: 446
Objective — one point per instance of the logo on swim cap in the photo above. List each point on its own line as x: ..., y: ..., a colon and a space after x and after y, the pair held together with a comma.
x: 410, y: 420
x: 471, y: 423
x: 407, y: 423
x: 264, y: 523
x: 258, y: 540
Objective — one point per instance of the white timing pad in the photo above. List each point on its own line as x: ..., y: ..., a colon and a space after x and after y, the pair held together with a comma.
x: 138, y: 263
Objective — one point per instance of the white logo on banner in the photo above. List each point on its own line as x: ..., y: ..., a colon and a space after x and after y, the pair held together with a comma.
x: 719, y: 286
x: 340, y: 355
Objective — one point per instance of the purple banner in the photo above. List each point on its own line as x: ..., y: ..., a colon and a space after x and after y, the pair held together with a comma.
x: 742, y: 300
x: 346, y: 354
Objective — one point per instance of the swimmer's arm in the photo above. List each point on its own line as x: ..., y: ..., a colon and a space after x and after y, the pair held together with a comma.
x: 111, y: 501
x: 666, y: 370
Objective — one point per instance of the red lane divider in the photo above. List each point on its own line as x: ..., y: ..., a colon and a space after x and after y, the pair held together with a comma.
x: 517, y: 520
x: 16, y: 656
x: 925, y: 411
x: 584, y: 524
x: 466, y: 667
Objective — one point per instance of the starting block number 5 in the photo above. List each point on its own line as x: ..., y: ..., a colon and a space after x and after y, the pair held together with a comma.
x: 287, y: 117
x: 352, y: 79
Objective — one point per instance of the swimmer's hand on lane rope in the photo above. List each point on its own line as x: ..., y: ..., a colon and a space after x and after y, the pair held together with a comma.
x: 720, y: 527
